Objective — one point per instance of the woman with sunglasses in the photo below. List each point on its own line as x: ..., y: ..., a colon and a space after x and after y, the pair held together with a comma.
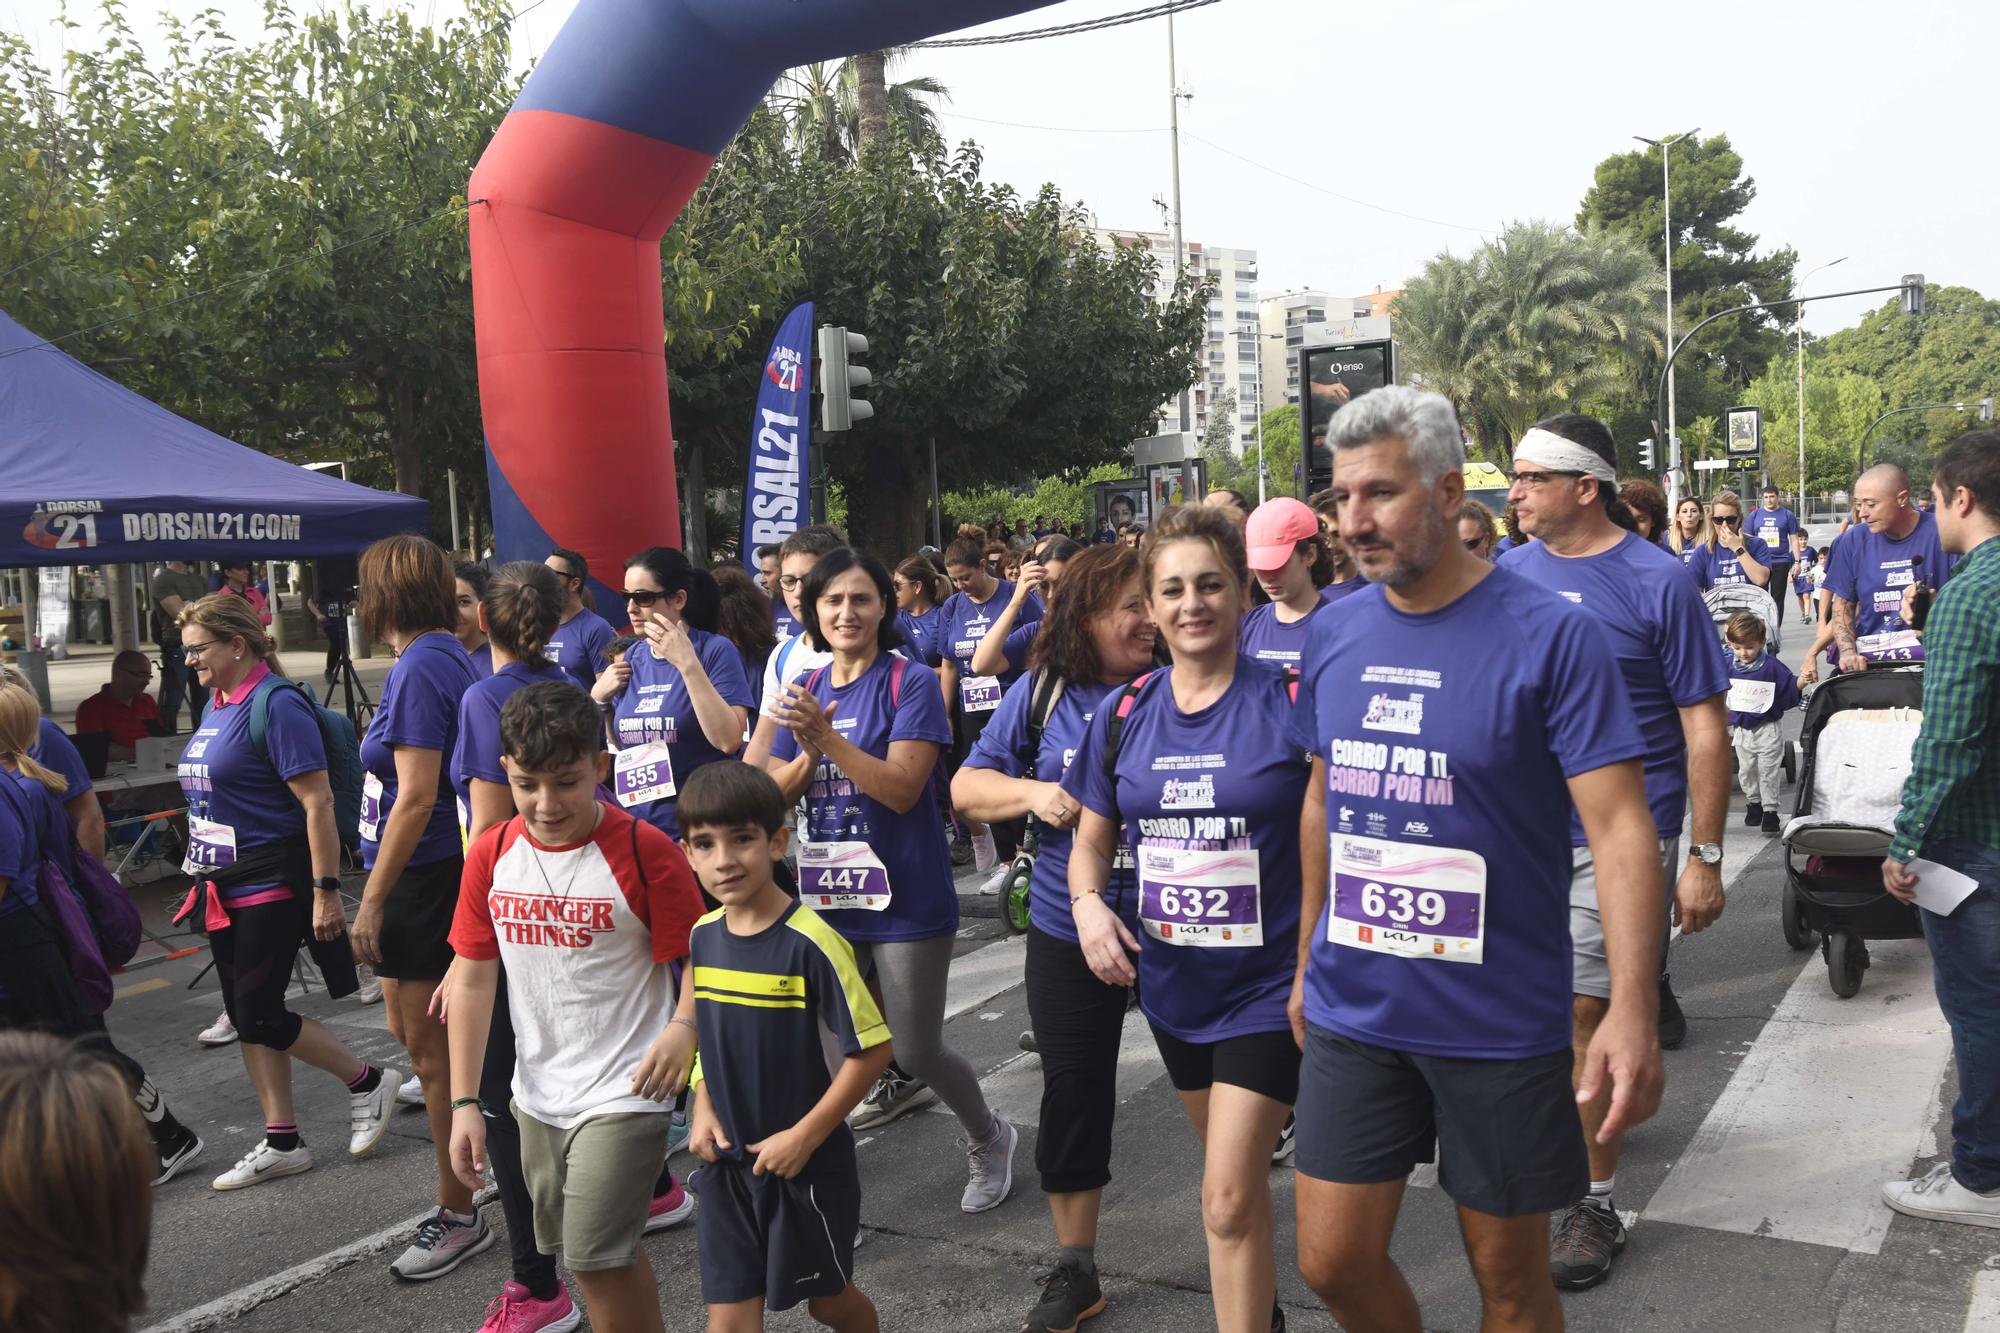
x: 1688, y: 536
x: 679, y: 699
x: 919, y: 591
x: 1730, y: 555
x: 1476, y: 530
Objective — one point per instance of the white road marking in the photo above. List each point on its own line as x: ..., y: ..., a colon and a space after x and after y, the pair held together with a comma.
x: 236, y: 1304
x: 1862, y: 1073
x: 1984, y: 1314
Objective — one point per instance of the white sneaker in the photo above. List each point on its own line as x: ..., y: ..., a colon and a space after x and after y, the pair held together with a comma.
x: 368, y: 1113
x: 1940, y: 1198
x: 219, y: 1033
x: 371, y: 985
x: 263, y: 1163
x: 996, y: 882
x: 984, y: 853
x: 411, y: 1093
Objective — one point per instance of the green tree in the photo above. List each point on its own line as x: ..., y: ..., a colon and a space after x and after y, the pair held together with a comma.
x: 998, y: 327
x: 837, y: 108
x: 1716, y: 266
x: 1839, y: 406
x: 1544, y: 319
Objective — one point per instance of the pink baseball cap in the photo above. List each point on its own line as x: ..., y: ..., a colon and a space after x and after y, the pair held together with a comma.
x: 1274, y: 531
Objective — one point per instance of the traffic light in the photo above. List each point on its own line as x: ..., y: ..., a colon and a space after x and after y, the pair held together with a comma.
x: 839, y: 379
x: 1913, y: 293
x: 1986, y: 408
x: 1646, y: 455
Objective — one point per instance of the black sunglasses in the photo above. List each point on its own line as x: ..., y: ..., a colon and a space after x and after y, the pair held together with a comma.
x: 645, y: 596
x: 1729, y: 521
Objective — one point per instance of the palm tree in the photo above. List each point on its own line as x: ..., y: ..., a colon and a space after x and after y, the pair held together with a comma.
x: 1544, y: 319
x: 837, y: 110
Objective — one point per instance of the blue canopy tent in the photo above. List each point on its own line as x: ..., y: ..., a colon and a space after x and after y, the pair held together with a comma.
x: 92, y: 473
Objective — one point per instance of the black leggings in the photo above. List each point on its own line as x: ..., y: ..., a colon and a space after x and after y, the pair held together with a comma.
x: 253, y: 959
x: 1077, y: 1021
x: 1007, y: 833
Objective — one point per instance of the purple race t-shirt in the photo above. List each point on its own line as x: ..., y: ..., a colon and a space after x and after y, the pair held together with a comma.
x: 477, y: 754
x: 1269, y: 639
x: 1334, y: 592
x: 482, y: 661
x: 54, y: 749
x: 1446, y: 930
x: 1871, y: 570
x: 1003, y: 747
x: 964, y: 622
x: 419, y: 709
x: 920, y: 634
x: 654, y: 708
x: 1774, y: 528
x: 852, y: 829
x: 1713, y: 568
x: 578, y: 644
x: 1663, y: 640
x: 1210, y: 802
x: 24, y: 833
x: 225, y: 780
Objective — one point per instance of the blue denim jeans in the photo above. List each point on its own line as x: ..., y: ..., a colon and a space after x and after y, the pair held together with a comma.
x: 1965, y: 961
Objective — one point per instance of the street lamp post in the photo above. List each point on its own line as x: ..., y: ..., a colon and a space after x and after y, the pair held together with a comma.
x: 1911, y: 288
x: 1667, y: 247
x: 1802, y: 388
x: 1983, y: 406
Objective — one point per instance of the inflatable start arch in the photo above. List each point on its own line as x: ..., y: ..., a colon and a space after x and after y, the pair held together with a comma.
x: 609, y: 139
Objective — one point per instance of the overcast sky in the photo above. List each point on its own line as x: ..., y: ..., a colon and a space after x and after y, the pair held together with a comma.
x: 1870, y: 129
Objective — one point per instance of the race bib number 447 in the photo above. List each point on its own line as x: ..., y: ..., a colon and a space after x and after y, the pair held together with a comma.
x: 1411, y: 901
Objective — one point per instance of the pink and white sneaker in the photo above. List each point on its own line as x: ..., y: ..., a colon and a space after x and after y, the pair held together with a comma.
x: 669, y: 1210
x: 517, y: 1311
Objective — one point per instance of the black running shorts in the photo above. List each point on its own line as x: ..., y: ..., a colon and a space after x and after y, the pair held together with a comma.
x: 784, y: 1240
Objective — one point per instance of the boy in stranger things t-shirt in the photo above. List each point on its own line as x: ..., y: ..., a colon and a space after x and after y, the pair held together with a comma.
x: 590, y: 911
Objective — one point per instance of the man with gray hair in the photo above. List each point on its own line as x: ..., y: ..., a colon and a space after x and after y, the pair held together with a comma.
x: 1432, y: 1001
x: 1673, y: 683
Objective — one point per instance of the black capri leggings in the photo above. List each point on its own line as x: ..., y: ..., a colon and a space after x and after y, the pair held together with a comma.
x: 1007, y: 833
x: 253, y: 959
x: 1077, y: 1021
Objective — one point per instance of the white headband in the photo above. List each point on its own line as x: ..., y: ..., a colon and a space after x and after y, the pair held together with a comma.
x: 1553, y: 451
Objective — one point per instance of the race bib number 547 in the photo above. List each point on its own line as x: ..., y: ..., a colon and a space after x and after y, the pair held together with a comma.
x: 1412, y: 901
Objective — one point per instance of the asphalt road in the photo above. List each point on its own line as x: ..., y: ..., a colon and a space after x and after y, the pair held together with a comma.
x: 1752, y: 1193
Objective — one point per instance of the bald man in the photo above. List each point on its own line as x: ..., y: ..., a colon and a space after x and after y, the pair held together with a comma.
x: 1870, y: 566
x: 122, y: 709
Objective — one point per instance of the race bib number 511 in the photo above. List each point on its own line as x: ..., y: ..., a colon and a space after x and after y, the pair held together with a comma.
x: 1412, y: 901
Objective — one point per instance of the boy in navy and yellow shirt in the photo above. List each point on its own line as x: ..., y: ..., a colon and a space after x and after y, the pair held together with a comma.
x: 781, y: 1194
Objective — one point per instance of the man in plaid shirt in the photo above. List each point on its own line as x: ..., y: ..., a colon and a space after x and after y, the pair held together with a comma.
x: 1951, y: 816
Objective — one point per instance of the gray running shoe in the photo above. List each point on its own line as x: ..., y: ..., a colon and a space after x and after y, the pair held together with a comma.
x: 442, y: 1244
x: 989, y: 1169
x: 892, y: 1096
x: 1588, y: 1237
x: 1069, y: 1296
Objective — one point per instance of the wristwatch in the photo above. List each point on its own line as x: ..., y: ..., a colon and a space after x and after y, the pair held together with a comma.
x: 327, y: 884
x: 1709, y: 853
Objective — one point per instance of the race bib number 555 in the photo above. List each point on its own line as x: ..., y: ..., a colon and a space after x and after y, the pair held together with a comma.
x: 1412, y: 901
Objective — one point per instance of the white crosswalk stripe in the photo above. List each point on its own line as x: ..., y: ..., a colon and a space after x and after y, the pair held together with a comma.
x: 1862, y: 1073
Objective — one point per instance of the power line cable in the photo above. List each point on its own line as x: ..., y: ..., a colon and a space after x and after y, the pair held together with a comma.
x: 1059, y: 129
x: 1345, y: 198
x: 258, y: 156
x: 457, y: 209
x: 1069, y: 29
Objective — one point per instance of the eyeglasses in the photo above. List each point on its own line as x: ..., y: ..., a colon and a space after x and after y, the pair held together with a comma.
x: 790, y: 581
x: 141, y: 673
x: 1474, y: 543
x: 643, y: 596
x: 1538, y: 478
x: 193, y: 651
x: 1729, y: 520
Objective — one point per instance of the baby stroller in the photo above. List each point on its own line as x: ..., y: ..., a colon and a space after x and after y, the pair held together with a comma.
x: 1858, y: 734
x: 1725, y: 600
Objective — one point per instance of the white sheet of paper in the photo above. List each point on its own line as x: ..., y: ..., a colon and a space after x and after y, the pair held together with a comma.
x: 1940, y: 889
